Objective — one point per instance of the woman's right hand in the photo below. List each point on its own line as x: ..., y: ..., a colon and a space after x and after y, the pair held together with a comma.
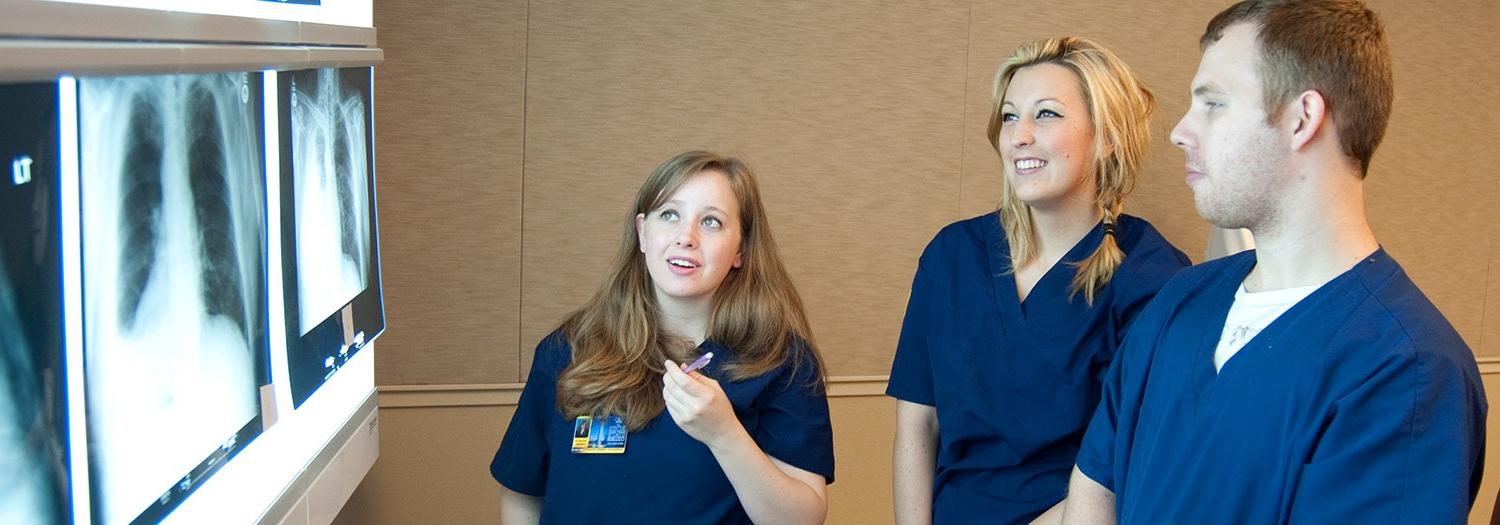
x: 698, y: 404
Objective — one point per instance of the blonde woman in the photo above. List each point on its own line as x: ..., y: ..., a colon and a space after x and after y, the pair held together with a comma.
x: 1014, y: 315
x: 615, y: 424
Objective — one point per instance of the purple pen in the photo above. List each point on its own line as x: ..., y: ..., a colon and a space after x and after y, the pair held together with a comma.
x: 699, y: 363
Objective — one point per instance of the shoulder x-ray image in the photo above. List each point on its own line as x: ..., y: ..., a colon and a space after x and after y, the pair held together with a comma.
x: 174, y: 270
x: 33, y: 466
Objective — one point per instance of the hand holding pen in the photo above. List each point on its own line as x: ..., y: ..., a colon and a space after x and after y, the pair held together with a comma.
x: 698, y: 363
x: 697, y: 403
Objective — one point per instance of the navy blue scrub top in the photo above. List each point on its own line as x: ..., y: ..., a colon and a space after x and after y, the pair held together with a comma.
x: 664, y: 476
x: 1014, y: 384
x: 1360, y: 404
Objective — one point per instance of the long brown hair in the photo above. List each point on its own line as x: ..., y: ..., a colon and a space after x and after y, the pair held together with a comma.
x: 1121, y: 108
x: 617, y: 340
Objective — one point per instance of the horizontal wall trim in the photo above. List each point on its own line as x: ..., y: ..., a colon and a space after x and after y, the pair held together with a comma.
x: 508, y: 394
x: 44, y: 60
x: 1489, y: 365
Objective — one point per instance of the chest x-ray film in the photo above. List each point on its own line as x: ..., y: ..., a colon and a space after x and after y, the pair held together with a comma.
x: 173, y: 216
x: 329, y: 242
x: 33, y: 455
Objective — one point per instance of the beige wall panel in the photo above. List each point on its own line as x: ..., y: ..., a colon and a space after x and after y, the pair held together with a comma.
x: 849, y: 111
x: 1489, y: 346
x: 450, y: 100
x: 1158, y: 40
x: 433, y: 468
x: 1484, y: 505
x: 863, y: 437
x: 1431, y: 190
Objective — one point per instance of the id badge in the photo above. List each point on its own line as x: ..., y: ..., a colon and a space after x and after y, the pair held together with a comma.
x: 599, y: 435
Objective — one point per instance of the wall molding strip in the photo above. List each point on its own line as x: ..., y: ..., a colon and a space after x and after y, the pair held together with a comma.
x: 508, y: 394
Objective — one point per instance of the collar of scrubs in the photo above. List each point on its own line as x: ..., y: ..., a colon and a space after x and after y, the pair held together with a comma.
x: 1052, y: 286
x: 1221, y: 292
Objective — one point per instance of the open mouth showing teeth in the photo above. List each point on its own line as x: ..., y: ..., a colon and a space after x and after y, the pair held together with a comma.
x: 680, y: 263
x: 1029, y: 164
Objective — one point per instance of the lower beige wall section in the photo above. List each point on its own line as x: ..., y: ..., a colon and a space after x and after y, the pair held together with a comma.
x: 433, y: 468
x: 436, y: 444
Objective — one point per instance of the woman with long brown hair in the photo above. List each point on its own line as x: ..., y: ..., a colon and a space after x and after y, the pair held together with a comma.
x: 614, y: 425
x: 1014, y: 315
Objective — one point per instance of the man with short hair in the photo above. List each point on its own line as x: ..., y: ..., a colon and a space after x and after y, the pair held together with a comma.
x: 1309, y: 380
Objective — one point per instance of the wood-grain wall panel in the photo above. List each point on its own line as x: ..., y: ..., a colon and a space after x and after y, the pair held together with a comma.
x: 1478, y: 73
x: 449, y: 100
x: 866, y: 124
x: 850, y: 113
x: 1489, y: 344
x: 1425, y: 194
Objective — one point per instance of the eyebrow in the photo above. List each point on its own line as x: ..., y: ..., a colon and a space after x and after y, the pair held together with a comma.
x: 679, y: 203
x: 1008, y: 102
x: 1207, y: 89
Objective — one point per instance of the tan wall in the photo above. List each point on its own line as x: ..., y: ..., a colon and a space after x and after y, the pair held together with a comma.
x: 511, y: 134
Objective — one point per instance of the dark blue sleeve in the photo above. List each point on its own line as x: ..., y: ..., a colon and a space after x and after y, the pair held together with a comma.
x: 1403, y: 447
x: 794, y: 424
x: 1119, y: 398
x: 1152, y: 263
x: 911, y: 371
x: 521, y: 462
x: 1096, y: 454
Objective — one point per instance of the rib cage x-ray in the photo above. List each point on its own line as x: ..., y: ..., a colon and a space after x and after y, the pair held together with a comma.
x: 174, y: 269
x: 33, y: 465
x: 331, y: 186
x: 29, y: 453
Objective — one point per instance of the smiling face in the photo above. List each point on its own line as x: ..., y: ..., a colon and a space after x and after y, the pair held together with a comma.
x: 1236, y: 161
x: 1047, y: 136
x: 692, y: 240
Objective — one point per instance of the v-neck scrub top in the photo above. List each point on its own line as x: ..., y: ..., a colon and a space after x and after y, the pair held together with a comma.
x: 664, y: 475
x: 1014, y: 383
x: 1360, y: 404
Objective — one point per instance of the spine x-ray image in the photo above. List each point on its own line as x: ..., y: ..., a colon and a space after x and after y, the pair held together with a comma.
x: 330, y: 185
x: 33, y: 464
x: 174, y: 271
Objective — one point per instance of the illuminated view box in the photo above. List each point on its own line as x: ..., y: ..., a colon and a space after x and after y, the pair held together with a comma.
x: 173, y: 282
x: 329, y: 247
x: 142, y: 346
